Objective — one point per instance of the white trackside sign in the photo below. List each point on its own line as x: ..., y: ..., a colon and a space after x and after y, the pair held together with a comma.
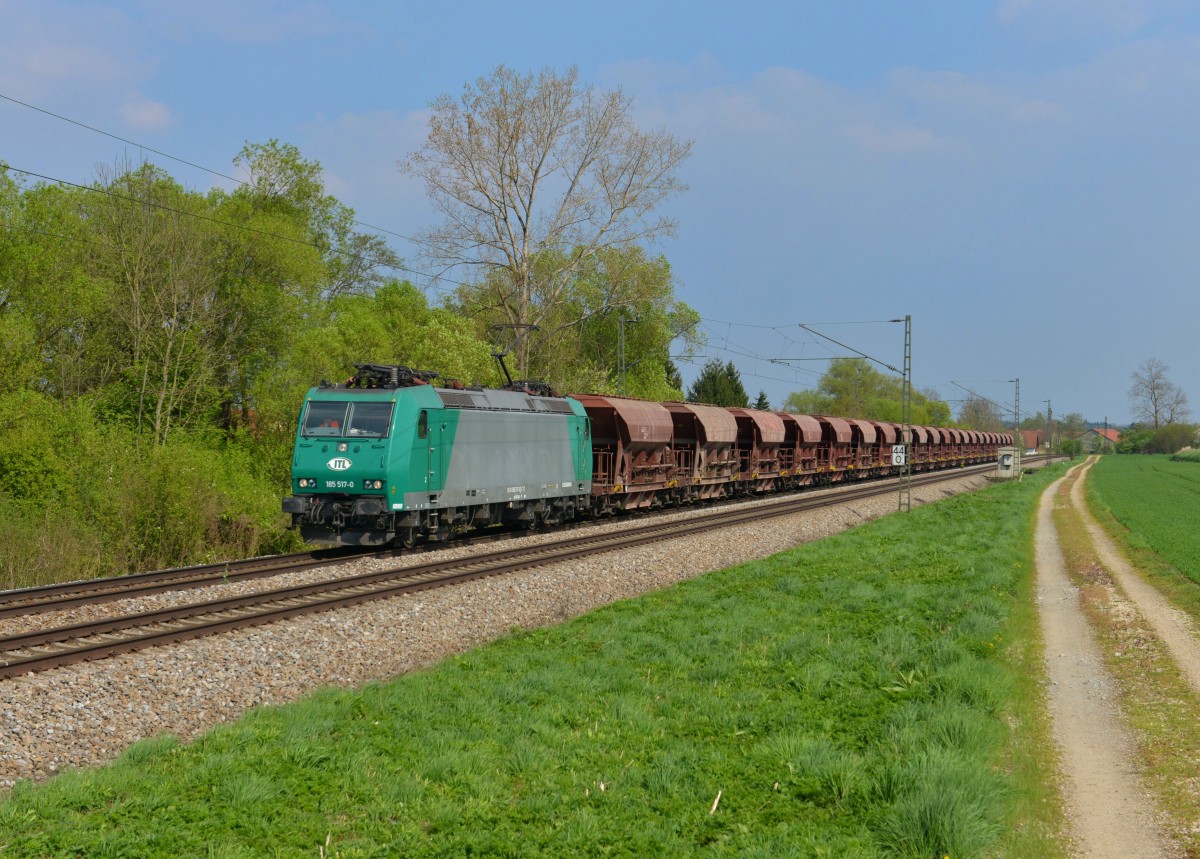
x: 338, y: 463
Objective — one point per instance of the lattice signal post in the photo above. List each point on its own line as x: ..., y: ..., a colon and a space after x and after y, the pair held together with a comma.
x: 904, y: 502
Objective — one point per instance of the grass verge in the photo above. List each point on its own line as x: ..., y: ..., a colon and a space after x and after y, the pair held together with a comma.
x: 873, y: 694
x: 1156, y: 701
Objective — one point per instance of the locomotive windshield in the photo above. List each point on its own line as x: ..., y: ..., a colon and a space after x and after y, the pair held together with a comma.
x: 347, y: 420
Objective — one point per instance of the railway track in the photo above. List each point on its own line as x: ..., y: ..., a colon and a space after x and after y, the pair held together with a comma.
x: 55, y: 597
x: 51, y: 648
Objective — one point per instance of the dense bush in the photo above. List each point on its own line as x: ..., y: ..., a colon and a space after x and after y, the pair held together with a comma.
x: 79, y: 498
x: 1165, y: 439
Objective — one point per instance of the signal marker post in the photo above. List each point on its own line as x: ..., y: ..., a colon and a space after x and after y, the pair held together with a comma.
x: 904, y: 500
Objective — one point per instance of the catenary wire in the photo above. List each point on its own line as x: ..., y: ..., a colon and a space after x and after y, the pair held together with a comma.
x: 179, y: 160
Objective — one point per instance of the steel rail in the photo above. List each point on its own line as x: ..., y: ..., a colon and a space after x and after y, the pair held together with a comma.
x: 70, y: 644
x: 53, y: 597
x: 44, y: 598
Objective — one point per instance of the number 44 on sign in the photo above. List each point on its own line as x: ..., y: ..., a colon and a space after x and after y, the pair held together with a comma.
x: 899, y: 454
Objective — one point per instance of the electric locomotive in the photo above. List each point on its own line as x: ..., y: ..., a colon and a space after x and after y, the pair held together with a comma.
x: 389, y: 457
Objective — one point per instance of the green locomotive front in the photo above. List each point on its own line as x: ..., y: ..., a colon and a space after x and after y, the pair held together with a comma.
x: 388, y: 457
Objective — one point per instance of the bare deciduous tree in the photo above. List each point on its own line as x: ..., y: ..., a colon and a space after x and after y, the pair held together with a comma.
x: 1155, y: 399
x: 979, y: 413
x: 534, y: 174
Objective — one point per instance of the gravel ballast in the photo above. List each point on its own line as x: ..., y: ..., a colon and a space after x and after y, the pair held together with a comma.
x: 86, y: 714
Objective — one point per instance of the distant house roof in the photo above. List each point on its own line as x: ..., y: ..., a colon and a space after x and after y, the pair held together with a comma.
x: 1112, y: 435
x: 1032, y: 438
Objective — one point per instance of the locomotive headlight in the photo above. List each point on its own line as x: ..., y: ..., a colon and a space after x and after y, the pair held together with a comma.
x: 372, y: 484
x: 306, y: 482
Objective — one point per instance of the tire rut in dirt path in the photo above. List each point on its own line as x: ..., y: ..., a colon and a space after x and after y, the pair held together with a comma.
x: 1175, y: 628
x: 1107, y: 804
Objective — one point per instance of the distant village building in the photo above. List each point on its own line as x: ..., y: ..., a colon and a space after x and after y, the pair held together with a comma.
x: 1098, y: 440
x: 1032, y: 439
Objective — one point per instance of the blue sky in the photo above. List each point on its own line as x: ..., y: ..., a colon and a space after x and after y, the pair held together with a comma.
x: 1021, y: 176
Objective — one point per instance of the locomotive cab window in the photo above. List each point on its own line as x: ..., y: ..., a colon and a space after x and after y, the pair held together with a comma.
x: 326, y: 419
x: 370, y: 420
x: 347, y: 419
x: 423, y: 424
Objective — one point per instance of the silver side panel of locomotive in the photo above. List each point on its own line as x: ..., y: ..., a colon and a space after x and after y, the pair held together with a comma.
x: 507, y: 446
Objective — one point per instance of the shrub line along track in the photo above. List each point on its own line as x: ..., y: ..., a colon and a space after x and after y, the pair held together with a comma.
x: 52, y: 648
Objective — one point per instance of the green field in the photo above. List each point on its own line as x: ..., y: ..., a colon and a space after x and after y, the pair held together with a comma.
x: 1158, y: 500
x: 852, y: 697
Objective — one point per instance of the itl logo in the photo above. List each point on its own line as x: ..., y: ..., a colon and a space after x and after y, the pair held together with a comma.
x: 338, y: 463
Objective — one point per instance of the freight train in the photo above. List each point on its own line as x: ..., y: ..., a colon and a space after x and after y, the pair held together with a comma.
x: 389, y: 457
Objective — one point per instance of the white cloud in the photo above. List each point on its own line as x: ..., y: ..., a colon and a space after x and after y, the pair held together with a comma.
x: 820, y: 132
x: 1046, y: 20
x: 701, y: 70
x: 358, y: 153
x: 270, y: 22
x: 51, y: 49
x: 144, y: 114
x: 964, y: 95
x: 896, y: 139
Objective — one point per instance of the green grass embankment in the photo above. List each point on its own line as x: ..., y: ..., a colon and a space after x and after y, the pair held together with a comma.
x: 872, y: 694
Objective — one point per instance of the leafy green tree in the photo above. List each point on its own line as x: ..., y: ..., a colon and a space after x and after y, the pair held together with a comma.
x: 163, y: 318
x: 1070, y: 446
x: 576, y: 347
x: 48, y: 288
x: 719, y: 385
x: 929, y: 409
x: 294, y: 250
x: 18, y: 335
x: 674, y: 377
x: 284, y: 184
x: 1073, y: 425
x: 1035, y: 421
x: 1136, y: 439
x: 1171, y: 438
x: 850, y: 387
